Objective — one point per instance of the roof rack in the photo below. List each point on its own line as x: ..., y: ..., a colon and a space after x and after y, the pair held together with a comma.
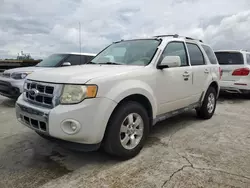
x: 177, y: 36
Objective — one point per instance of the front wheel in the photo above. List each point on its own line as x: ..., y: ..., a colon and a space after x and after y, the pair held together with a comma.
x: 207, y: 109
x: 127, y: 130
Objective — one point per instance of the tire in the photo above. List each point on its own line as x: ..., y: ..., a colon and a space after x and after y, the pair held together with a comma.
x: 204, y: 112
x: 125, y: 114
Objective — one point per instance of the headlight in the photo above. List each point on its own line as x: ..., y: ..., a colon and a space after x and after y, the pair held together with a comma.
x: 73, y: 94
x: 19, y: 75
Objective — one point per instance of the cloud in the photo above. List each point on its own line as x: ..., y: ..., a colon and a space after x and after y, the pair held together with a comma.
x: 45, y: 27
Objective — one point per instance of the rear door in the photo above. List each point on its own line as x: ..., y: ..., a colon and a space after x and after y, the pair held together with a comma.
x: 200, y: 69
x: 229, y: 62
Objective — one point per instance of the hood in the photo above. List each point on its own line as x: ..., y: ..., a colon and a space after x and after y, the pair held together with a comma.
x: 80, y: 73
x: 25, y: 69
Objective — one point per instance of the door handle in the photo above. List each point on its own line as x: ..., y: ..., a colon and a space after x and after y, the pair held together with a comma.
x: 186, y: 74
x: 206, y: 71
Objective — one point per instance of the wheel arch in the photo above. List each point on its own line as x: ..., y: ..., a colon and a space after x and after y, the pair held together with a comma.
x: 141, y: 99
x: 215, y: 85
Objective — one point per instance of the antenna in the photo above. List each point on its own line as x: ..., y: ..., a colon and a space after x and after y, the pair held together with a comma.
x: 80, y: 44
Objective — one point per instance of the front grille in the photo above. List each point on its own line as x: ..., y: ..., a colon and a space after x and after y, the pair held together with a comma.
x: 41, y: 93
x: 35, y: 124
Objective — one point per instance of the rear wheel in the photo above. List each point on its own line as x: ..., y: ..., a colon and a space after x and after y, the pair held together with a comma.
x: 127, y: 130
x: 207, y: 109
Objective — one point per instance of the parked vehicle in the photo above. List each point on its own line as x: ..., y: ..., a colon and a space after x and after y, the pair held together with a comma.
x: 115, y: 99
x: 235, y: 65
x: 12, y: 80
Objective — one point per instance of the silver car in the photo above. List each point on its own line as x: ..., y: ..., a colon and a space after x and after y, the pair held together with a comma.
x: 12, y: 80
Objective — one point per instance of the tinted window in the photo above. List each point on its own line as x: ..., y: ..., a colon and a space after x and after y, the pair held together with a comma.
x: 176, y: 49
x: 52, y: 60
x: 248, y: 59
x: 196, y: 56
x: 229, y: 58
x: 75, y: 59
x: 211, y: 56
x: 88, y: 59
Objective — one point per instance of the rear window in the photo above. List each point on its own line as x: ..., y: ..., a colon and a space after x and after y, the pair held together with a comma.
x: 230, y: 58
x: 210, y: 54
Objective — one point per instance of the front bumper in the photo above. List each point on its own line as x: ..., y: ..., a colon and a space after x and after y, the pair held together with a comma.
x: 11, y: 88
x: 241, y: 87
x: 92, y: 116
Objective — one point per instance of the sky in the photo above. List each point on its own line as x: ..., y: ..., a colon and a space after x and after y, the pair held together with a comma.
x: 43, y: 27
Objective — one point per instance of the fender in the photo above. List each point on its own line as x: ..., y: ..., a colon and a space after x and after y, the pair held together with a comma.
x: 130, y: 87
x: 204, y: 92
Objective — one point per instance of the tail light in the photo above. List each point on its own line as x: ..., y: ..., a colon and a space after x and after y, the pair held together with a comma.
x: 220, y: 71
x: 241, y: 72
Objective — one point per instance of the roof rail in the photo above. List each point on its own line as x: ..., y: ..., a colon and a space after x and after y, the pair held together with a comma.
x: 177, y: 36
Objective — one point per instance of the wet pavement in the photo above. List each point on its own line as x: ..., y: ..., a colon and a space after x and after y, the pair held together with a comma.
x: 181, y: 152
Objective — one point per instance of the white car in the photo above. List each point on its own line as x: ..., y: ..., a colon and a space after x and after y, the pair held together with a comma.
x: 235, y: 65
x: 115, y: 99
x: 12, y: 80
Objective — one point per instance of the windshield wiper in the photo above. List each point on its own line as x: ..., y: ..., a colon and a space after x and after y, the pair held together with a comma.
x: 91, y: 62
x: 110, y: 63
x: 105, y: 63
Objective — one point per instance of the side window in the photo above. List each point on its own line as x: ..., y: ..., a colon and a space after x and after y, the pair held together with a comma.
x: 211, y: 56
x: 248, y: 59
x: 196, y: 56
x: 88, y: 58
x: 85, y: 59
x: 176, y: 49
x: 74, y: 59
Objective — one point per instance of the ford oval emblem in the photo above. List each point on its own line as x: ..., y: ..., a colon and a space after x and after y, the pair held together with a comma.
x: 33, y: 92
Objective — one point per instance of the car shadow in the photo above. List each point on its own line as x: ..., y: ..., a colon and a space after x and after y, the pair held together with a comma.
x: 7, y: 102
x: 232, y: 98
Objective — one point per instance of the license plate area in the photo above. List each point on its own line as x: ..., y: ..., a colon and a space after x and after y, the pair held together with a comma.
x: 32, y: 118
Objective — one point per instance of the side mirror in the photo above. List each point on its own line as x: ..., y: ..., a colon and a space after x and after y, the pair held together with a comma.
x: 170, y: 61
x: 66, y: 64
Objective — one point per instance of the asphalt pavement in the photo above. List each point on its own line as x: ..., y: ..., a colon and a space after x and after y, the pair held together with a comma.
x: 181, y: 152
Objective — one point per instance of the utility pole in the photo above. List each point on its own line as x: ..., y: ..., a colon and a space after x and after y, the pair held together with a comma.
x: 80, y: 43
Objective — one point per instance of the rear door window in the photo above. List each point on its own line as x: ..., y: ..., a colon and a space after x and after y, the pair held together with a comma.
x: 196, y: 56
x: 210, y: 54
x: 230, y: 58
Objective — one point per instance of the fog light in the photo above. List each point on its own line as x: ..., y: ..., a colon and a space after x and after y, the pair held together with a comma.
x: 70, y: 126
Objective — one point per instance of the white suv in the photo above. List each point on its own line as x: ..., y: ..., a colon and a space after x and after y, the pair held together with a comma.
x: 235, y: 65
x: 116, y: 98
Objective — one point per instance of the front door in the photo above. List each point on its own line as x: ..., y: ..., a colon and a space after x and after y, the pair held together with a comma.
x: 174, y: 85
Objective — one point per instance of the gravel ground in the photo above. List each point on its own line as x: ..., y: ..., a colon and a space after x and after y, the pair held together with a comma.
x: 181, y: 152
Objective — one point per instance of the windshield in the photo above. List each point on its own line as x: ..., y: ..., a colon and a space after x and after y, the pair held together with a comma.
x: 131, y: 52
x: 52, y: 60
x: 229, y: 58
